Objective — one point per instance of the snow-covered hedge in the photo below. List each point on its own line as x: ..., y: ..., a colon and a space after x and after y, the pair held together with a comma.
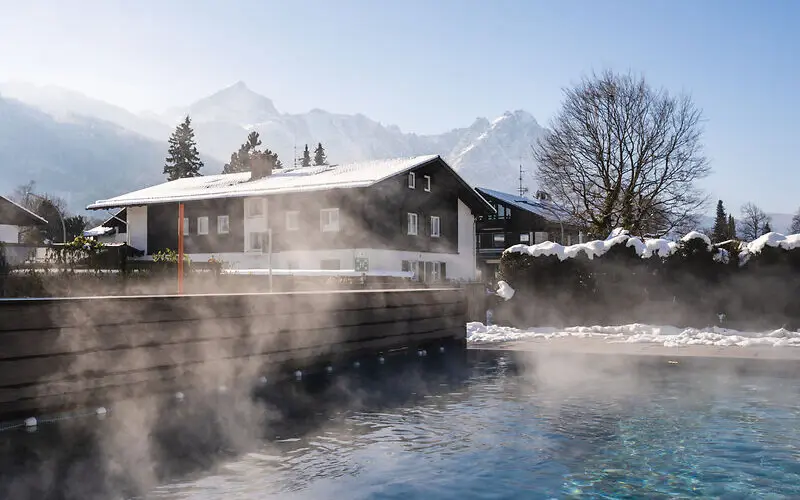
x: 625, y: 278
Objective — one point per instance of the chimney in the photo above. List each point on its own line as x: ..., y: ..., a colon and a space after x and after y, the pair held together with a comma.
x: 261, y: 165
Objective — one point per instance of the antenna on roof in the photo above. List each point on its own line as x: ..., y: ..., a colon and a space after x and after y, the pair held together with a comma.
x: 522, y: 189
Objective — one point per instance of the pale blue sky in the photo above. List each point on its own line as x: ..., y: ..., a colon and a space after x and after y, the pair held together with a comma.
x: 432, y: 65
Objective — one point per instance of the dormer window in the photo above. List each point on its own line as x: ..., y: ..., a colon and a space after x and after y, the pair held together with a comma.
x: 412, y: 180
x: 427, y: 183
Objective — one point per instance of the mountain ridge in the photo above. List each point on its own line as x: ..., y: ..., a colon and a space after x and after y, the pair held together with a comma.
x: 487, y: 152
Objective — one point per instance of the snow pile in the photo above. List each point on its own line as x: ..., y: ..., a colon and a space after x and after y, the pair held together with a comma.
x: 774, y: 240
x: 644, y: 248
x: 504, y: 290
x: 668, y: 336
x: 694, y: 235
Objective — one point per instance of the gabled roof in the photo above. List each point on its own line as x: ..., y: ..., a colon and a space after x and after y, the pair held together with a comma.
x: 545, y: 209
x: 287, y: 180
x: 16, y: 215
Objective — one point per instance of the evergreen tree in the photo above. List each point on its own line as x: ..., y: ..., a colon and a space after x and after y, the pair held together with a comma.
x: 319, y: 155
x: 767, y: 229
x: 306, y: 161
x: 731, y: 227
x: 795, y: 227
x: 183, y: 159
x: 253, y: 141
x: 240, y: 160
x: 720, y: 232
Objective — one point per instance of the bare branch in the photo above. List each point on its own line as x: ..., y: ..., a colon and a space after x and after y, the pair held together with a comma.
x: 624, y: 154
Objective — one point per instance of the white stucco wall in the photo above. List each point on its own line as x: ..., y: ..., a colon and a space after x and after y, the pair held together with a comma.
x: 379, y: 260
x: 137, y: 228
x: 467, y: 248
x: 9, y: 234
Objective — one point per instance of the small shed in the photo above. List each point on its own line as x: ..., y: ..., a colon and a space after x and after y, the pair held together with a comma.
x: 13, y: 217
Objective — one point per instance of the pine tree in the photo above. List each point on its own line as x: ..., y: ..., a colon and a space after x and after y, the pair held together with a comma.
x: 306, y: 161
x: 795, y: 227
x: 183, y: 159
x: 319, y: 155
x: 253, y: 141
x: 731, y: 228
x: 767, y: 229
x: 240, y: 160
x: 720, y: 232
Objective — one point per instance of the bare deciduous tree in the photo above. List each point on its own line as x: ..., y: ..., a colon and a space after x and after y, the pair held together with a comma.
x: 753, y: 222
x: 624, y: 154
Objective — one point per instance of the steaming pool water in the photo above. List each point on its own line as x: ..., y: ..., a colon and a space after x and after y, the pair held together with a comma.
x: 504, y: 430
x: 494, y: 424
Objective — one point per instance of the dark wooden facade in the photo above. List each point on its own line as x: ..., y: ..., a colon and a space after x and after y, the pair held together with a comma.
x: 66, y: 353
x: 512, y: 225
x: 162, y: 226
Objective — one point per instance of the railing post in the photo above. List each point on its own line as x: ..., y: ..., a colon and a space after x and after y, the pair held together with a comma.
x: 180, y: 248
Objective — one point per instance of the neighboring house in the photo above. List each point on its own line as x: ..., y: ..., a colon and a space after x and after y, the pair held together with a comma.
x: 518, y: 219
x: 13, y: 218
x: 410, y: 214
x: 112, y: 230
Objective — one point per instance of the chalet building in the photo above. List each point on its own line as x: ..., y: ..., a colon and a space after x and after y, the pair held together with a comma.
x: 13, y: 218
x: 413, y: 214
x: 518, y: 219
x: 112, y: 230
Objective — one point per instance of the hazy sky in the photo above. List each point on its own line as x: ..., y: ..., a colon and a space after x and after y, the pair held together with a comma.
x: 432, y: 65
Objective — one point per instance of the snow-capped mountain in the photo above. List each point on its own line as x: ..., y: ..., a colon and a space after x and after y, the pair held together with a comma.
x: 487, y: 153
x: 71, y: 143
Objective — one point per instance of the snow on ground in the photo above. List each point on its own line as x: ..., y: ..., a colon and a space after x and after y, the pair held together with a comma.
x: 668, y: 336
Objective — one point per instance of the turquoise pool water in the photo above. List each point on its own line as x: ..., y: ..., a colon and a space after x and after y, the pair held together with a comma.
x: 506, y: 427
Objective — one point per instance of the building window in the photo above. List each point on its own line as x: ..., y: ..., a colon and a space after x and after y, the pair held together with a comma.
x: 499, y: 239
x: 223, y: 224
x: 435, y: 227
x: 186, y: 226
x: 256, y: 241
x: 411, y: 266
x: 330, y: 264
x: 540, y: 237
x: 202, y: 225
x: 292, y: 220
x: 412, y: 224
x: 255, y: 207
x: 329, y: 219
x: 428, y: 183
x: 412, y: 180
x: 436, y: 275
x: 524, y: 238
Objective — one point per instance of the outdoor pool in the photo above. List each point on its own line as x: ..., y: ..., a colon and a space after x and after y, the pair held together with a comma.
x: 498, y: 425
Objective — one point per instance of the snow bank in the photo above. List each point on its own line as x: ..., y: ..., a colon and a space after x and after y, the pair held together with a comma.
x: 504, y: 290
x: 597, y: 248
x: 668, y: 336
x: 775, y: 240
x: 650, y: 247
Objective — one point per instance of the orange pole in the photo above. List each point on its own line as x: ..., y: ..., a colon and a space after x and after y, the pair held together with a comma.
x: 180, y: 248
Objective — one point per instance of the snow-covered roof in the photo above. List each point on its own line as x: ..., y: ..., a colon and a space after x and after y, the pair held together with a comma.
x: 288, y: 180
x: 98, y: 231
x: 16, y: 215
x: 546, y: 209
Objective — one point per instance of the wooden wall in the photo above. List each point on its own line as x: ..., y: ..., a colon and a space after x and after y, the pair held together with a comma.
x: 58, y: 354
